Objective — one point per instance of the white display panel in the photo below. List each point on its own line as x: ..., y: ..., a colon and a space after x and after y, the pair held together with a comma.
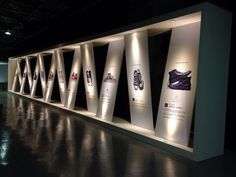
x: 138, y: 74
x: 29, y: 74
x: 35, y: 79
x: 22, y: 86
x: 51, y: 78
x: 42, y: 74
x: 19, y: 70
x: 90, y: 80
x: 179, y: 85
x: 15, y: 80
x: 17, y: 75
x: 110, y: 80
x: 61, y: 75
x: 74, y: 79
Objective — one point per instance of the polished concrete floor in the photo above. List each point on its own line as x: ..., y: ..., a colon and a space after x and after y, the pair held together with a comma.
x: 40, y: 141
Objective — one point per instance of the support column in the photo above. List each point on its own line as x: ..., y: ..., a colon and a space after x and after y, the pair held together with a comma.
x: 22, y: 86
x: 19, y: 70
x: 138, y: 74
x: 110, y: 80
x: 61, y: 75
x: 90, y: 80
x: 35, y: 79
x: 51, y: 78
x: 179, y: 85
x: 42, y: 74
x: 74, y: 80
x: 14, y: 83
x: 29, y: 74
x: 17, y: 75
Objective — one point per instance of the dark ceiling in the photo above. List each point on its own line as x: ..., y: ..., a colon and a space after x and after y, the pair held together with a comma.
x: 25, y: 19
x: 38, y: 24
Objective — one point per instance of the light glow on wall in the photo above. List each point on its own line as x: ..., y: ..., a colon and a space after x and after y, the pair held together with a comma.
x: 135, y: 47
x: 104, y: 111
x: 4, y: 147
x: 42, y: 74
x: 172, y: 126
x: 138, y: 74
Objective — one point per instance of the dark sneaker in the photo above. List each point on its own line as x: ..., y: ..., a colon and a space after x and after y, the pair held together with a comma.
x: 51, y: 75
x: 138, y: 82
x: 179, y: 80
x: 89, y: 77
x: 35, y: 76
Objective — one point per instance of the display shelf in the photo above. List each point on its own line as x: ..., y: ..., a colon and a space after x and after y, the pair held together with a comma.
x: 203, y: 31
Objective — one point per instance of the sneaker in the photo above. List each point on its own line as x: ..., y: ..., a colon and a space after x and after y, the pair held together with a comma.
x: 74, y: 76
x: 51, y: 75
x: 138, y: 82
x: 179, y: 80
x: 35, y: 76
x: 89, y: 77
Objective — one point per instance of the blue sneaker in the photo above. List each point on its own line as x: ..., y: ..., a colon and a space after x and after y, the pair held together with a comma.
x: 179, y: 80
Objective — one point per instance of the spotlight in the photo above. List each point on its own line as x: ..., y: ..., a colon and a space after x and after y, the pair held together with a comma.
x: 8, y: 33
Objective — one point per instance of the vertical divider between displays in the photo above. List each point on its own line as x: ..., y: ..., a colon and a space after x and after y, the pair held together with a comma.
x: 179, y: 85
x: 35, y: 79
x: 138, y: 75
x: 110, y: 80
x: 89, y: 74
x: 51, y: 78
x: 73, y: 79
x: 61, y: 75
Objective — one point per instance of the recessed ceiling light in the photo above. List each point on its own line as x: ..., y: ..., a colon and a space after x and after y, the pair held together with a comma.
x: 8, y: 33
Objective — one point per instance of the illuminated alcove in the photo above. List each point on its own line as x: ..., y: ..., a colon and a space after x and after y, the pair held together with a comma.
x: 213, y: 59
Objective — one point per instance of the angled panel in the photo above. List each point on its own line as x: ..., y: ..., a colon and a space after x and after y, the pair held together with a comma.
x: 74, y: 80
x: 138, y: 74
x: 42, y: 73
x: 22, y: 86
x: 110, y: 81
x: 61, y: 74
x: 17, y: 75
x: 15, y: 80
x: 29, y: 74
x: 19, y: 70
x: 179, y: 85
x: 51, y: 78
x: 89, y: 73
x: 35, y: 79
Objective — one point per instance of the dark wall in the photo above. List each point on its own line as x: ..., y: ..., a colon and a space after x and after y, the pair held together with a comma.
x: 158, y: 50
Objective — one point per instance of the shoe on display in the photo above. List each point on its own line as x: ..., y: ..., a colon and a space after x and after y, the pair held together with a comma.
x: 74, y: 76
x: 109, y: 78
x: 138, y: 82
x: 51, y: 75
x: 35, y: 76
x: 89, y: 76
x: 179, y: 80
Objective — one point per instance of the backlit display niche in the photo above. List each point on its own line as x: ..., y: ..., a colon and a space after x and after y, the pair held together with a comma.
x: 185, y: 92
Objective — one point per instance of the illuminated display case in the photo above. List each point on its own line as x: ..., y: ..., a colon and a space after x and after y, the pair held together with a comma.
x: 194, y: 83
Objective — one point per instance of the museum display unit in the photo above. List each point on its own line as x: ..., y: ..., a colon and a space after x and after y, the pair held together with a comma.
x: 194, y: 86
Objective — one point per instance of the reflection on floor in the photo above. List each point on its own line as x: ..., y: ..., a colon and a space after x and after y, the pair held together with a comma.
x: 39, y: 141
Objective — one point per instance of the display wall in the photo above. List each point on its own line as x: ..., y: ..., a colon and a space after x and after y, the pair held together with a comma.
x: 184, y: 87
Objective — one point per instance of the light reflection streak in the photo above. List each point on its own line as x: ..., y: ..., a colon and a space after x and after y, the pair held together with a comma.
x: 71, y: 148
x: 4, y: 146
